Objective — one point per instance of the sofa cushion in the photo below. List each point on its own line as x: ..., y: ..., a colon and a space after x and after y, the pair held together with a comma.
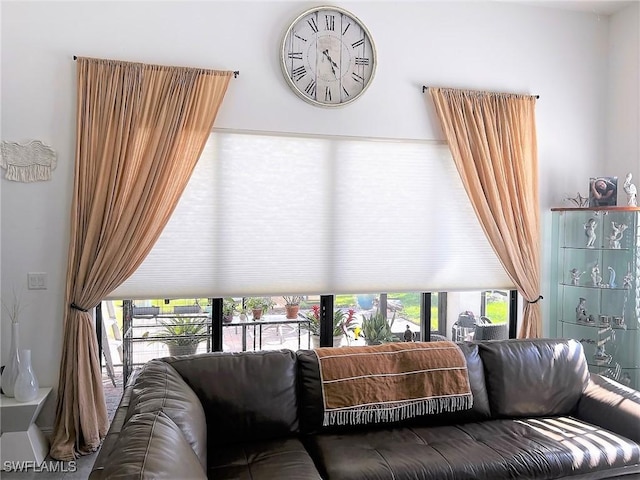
x: 152, y: 446
x: 534, y: 377
x: 536, y: 448
x: 311, y: 404
x: 246, y: 396
x: 268, y: 460
x: 159, y: 387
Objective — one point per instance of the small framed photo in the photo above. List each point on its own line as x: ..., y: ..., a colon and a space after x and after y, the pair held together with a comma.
x: 603, y: 191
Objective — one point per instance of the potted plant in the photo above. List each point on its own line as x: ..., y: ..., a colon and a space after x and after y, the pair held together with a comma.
x: 292, y: 306
x: 181, y: 334
x: 228, y: 309
x: 342, y: 325
x: 376, y: 329
x: 258, y: 305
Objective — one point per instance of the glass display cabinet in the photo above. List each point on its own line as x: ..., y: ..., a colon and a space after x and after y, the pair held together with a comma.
x: 595, y: 291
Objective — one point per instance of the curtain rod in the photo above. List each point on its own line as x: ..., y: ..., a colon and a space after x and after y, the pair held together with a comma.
x: 235, y: 73
x: 424, y: 89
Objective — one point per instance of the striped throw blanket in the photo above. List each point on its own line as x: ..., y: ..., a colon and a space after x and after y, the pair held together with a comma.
x: 392, y: 382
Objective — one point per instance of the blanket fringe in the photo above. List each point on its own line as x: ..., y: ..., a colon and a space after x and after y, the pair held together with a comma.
x: 396, y: 411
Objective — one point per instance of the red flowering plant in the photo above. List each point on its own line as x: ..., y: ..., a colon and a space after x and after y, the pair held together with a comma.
x: 342, y: 323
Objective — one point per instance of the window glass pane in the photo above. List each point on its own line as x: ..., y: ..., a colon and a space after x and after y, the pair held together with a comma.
x: 495, y: 305
x: 159, y: 328
x: 267, y: 323
x: 435, y: 312
x: 470, y: 311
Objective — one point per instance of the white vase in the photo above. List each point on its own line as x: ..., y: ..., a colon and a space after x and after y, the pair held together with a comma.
x: 26, y: 386
x: 12, y: 368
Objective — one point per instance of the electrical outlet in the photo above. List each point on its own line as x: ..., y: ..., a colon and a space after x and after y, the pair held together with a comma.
x: 37, y: 280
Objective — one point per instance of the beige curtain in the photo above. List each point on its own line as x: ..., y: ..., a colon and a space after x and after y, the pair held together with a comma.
x: 140, y: 131
x: 492, y: 137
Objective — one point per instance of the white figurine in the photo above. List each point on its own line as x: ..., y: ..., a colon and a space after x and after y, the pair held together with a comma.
x: 590, y: 232
x: 575, y: 276
x: 627, y: 280
x: 596, y: 278
x: 581, y: 311
x: 631, y: 191
x: 617, y: 230
x: 612, y: 277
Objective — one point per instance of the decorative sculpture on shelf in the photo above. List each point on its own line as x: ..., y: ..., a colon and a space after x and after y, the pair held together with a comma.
x: 612, y: 277
x: 596, y: 278
x: 575, y: 276
x: 627, y: 280
x: 617, y: 231
x: 590, y: 232
x: 631, y: 191
x: 601, y: 354
x: 581, y: 311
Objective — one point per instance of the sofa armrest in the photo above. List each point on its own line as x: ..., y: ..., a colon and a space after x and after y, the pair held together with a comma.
x: 151, y: 446
x: 114, y: 430
x: 611, y: 405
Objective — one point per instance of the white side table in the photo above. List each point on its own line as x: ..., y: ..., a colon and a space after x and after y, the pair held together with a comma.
x: 21, y: 439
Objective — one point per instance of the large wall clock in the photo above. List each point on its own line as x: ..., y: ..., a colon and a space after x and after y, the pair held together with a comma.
x: 328, y: 56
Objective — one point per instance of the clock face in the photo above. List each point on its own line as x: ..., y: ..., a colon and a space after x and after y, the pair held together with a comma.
x: 328, y: 56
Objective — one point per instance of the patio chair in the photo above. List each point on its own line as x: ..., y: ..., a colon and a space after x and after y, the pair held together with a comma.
x: 492, y: 331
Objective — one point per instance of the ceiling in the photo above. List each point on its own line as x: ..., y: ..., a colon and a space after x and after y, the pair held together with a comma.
x: 601, y: 7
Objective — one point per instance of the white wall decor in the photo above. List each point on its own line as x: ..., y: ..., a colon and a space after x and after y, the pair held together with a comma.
x: 29, y: 162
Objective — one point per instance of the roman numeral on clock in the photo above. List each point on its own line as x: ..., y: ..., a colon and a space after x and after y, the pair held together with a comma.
x: 298, y: 56
x: 312, y: 23
x: 298, y: 73
x: 345, y: 92
x: 327, y: 94
x: 330, y: 22
x: 358, y: 43
x: 360, y: 61
x: 311, y: 88
x: 346, y: 28
x: 357, y: 77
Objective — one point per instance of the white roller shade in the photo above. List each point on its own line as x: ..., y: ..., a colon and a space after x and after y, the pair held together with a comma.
x: 271, y: 214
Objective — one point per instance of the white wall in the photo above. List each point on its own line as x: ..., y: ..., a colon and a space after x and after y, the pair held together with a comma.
x: 560, y: 55
x: 623, y: 113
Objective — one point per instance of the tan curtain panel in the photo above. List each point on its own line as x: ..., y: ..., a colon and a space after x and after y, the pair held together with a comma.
x: 492, y: 137
x: 140, y: 131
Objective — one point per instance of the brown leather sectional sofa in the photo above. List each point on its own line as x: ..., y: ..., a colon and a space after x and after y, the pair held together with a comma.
x: 537, y: 414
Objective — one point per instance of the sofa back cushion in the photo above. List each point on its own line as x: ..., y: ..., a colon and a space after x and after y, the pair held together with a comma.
x: 540, y: 377
x: 312, y: 409
x: 160, y: 388
x: 246, y: 396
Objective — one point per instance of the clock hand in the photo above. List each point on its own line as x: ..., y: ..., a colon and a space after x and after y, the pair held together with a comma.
x: 331, y: 62
x: 326, y: 54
